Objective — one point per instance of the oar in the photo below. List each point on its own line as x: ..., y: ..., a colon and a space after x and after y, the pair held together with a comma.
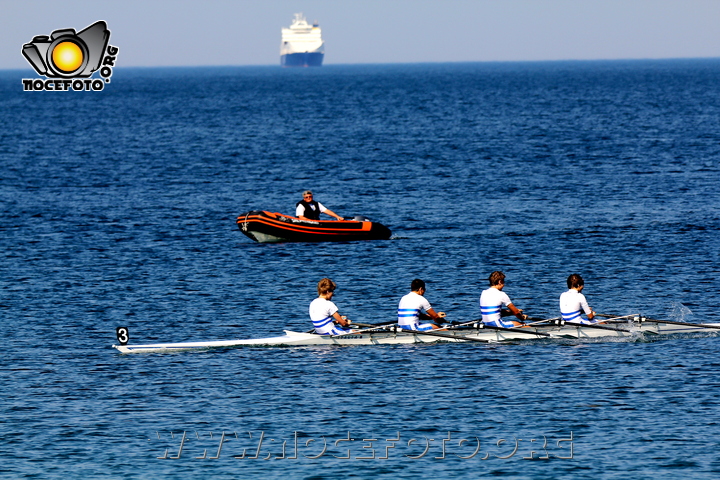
x: 595, y: 326
x: 589, y: 325
x: 509, y: 329
x: 364, y: 325
x: 702, y: 325
x: 372, y: 325
x: 566, y: 324
x: 363, y: 330
x: 520, y: 330
x: 441, y: 335
x: 610, y: 318
x: 514, y: 329
x: 535, y: 321
x: 455, y: 324
x: 699, y: 325
x: 418, y: 332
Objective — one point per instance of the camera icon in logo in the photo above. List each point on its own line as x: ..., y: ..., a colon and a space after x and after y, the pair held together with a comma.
x: 66, y: 53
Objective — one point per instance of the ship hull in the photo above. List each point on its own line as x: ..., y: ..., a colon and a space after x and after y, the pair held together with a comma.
x: 307, y: 59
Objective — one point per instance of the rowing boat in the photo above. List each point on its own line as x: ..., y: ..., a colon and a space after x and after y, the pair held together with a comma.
x: 624, y: 327
x: 269, y: 227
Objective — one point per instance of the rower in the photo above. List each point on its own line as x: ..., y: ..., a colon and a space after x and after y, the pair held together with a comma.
x: 324, y: 313
x: 573, y: 303
x: 411, y: 306
x: 493, y: 299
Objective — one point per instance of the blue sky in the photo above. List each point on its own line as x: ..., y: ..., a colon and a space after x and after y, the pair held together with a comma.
x: 247, y: 32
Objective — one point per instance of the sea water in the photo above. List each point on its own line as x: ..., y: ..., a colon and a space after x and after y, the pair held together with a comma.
x: 119, y: 209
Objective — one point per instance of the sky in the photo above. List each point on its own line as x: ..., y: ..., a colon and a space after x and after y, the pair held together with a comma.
x: 247, y: 32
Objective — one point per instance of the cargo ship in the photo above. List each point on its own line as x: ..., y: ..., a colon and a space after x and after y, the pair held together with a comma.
x: 302, y: 44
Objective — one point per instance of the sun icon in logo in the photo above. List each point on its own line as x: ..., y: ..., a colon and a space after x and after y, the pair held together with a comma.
x: 67, y: 56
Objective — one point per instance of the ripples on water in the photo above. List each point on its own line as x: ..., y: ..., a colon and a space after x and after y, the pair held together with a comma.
x: 119, y: 209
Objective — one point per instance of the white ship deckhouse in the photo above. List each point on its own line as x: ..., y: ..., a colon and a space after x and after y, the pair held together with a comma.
x: 302, y: 44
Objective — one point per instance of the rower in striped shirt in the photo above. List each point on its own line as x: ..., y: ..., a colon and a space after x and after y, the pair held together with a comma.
x: 411, y: 306
x: 573, y: 303
x: 324, y: 313
x: 493, y: 299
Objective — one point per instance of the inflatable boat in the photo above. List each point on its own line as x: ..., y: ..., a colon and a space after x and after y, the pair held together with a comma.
x: 269, y: 227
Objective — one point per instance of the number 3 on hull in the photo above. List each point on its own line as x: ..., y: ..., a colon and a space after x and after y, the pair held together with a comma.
x: 122, y: 334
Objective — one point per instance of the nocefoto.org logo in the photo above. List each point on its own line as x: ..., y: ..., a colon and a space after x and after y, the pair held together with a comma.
x: 68, y: 59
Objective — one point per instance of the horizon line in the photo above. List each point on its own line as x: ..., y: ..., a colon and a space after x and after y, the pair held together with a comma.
x: 578, y: 60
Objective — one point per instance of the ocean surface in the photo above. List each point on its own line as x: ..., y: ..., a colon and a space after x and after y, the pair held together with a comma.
x: 118, y: 208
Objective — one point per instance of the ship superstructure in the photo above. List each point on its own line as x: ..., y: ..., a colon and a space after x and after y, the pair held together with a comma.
x: 302, y: 44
